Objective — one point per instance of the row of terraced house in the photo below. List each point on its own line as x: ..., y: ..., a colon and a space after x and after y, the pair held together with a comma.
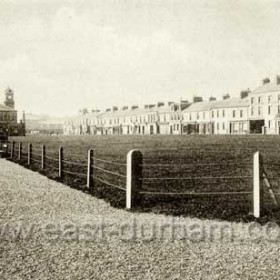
x: 256, y: 111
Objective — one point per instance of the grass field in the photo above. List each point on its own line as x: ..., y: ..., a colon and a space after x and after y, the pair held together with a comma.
x: 196, y: 164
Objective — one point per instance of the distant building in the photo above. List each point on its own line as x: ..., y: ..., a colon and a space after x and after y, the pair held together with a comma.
x: 9, y: 125
x: 256, y: 111
x: 43, y: 124
x: 160, y: 118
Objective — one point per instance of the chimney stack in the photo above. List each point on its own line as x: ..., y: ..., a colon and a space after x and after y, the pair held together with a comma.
x: 134, y: 107
x: 244, y: 93
x: 160, y: 104
x: 184, y: 104
x: 149, y: 106
x: 115, y: 108
x: 266, y: 81
x: 226, y: 96
x: 212, y: 98
x: 197, y: 99
x: 278, y: 79
x: 124, y: 108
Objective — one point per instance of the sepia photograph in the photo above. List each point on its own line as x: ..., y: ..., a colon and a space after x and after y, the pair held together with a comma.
x: 139, y: 139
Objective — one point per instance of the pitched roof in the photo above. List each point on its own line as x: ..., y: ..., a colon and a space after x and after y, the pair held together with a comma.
x: 208, y: 105
x: 6, y: 108
x: 268, y: 87
x: 198, y: 107
x: 230, y: 103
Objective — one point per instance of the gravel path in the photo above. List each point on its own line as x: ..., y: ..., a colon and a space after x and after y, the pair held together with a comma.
x: 49, y: 231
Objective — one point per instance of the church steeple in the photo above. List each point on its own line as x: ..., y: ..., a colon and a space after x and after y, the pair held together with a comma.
x: 10, y: 98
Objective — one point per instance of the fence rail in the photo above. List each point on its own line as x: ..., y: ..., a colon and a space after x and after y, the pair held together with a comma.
x: 131, y: 182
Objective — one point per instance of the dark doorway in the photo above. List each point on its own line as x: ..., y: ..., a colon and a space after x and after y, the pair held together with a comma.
x: 256, y: 126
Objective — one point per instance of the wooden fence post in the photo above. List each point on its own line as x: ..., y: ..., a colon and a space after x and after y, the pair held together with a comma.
x: 133, y: 176
x: 267, y: 184
x: 19, y: 150
x: 43, y: 159
x: 90, y: 181
x: 29, y: 159
x: 256, y: 191
x: 60, y: 162
x: 12, y: 149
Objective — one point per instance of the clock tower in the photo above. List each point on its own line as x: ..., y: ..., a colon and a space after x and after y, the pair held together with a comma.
x: 9, y: 102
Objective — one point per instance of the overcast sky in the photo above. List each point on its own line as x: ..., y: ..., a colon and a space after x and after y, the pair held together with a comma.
x: 60, y: 56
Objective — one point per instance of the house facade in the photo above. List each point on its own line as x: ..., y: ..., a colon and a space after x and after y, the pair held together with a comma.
x: 230, y: 116
x: 264, y: 115
x: 256, y: 111
x: 160, y: 118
